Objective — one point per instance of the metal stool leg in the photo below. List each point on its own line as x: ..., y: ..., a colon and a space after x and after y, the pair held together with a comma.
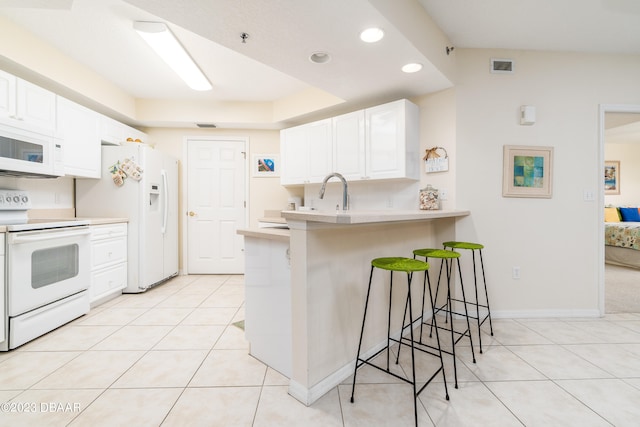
x: 450, y: 313
x: 444, y: 378
x: 477, y: 304
x: 466, y: 312
x: 486, y: 293
x: 413, y: 356
x: 364, y: 317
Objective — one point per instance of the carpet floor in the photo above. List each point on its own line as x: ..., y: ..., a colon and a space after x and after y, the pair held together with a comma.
x: 622, y: 289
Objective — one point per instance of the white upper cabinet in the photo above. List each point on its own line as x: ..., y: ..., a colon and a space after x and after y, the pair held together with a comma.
x: 26, y: 106
x: 112, y: 131
x: 376, y: 143
x: 349, y: 145
x: 319, y: 158
x: 392, y: 141
x: 115, y: 133
x: 306, y: 153
x: 79, y: 128
x: 8, y: 94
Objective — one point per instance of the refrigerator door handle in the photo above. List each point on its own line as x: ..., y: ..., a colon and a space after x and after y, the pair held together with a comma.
x: 165, y: 202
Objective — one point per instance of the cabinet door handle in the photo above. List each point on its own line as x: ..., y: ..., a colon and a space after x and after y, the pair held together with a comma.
x: 192, y: 213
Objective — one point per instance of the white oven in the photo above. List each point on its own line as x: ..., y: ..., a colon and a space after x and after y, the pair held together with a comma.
x: 47, y: 275
x: 45, y: 266
x: 25, y: 153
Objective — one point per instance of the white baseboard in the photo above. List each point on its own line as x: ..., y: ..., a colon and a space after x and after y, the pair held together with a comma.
x: 540, y: 314
x: 309, y: 395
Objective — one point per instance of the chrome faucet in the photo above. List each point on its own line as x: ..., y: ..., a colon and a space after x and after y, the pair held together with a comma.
x: 345, y: 195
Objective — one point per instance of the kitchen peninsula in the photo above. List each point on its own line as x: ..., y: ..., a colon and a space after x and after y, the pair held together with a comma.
x: 305, y: 292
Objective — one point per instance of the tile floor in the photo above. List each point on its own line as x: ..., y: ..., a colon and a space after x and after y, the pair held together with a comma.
x: 172, y: 357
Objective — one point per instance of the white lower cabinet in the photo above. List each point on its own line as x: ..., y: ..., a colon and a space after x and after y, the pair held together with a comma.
x: 108, y: 261
x: 267, y: 284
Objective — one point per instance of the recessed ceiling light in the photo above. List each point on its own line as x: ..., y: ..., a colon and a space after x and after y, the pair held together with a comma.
x: 320, y: 57
x: 372, y: 35
x: 412, y: 67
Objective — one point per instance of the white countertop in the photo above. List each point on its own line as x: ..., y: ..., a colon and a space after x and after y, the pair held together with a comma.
x: 279, y: 234
x: 371, y: 216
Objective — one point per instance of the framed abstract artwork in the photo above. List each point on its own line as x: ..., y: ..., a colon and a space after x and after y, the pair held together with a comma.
x: 612, y: 177
x: 527, y: 171
x: 266, y: 165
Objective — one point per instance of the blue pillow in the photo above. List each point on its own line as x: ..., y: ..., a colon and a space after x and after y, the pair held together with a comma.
x: 630, y: 214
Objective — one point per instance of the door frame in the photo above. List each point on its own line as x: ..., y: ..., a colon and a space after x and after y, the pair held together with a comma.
x: 605, y: 108
x: 185, y: 186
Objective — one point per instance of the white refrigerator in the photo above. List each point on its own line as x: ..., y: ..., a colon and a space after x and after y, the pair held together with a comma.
x: 148, y: 197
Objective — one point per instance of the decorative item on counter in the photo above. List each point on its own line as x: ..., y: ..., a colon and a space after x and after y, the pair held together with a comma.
x: 293, y: 203
x: 429, y: 198
x: 434, y: 162
x: 132, y: 169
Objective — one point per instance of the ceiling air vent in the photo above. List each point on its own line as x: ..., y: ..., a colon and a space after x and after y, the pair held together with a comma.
x: 206, y: 125
x: 503, y: 66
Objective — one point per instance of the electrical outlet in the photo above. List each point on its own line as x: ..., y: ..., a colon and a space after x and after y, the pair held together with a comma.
x: 443, y: 194
x: 516, y: 272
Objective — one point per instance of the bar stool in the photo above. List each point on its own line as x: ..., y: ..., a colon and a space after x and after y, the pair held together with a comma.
x: 409, y: 266
x: 473, y: 247
x: 446, y: 263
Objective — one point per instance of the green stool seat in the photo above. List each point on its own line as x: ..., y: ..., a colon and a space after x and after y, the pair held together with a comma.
x: 436, y: 253
x: 463, y: 245
x: 408, y: 266
x: 400, y: 264
x: 473, y: 247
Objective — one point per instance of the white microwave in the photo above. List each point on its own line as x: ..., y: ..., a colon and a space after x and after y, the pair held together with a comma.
x: 25, y: 153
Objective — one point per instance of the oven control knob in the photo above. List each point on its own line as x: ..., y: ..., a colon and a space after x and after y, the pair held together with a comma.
x: 16, y: 199
x: 25, y: 199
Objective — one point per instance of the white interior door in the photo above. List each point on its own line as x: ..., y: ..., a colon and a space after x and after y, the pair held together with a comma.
x: 216, y: 205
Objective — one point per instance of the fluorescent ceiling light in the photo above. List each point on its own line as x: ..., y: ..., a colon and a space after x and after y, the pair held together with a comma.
x: 164, y: 43
x: 412, y: 67
x: 372, y: 35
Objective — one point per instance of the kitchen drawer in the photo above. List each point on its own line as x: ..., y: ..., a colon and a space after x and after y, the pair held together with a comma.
x: 108, y: 280
x: 108, y: 251
x: 107, y: 231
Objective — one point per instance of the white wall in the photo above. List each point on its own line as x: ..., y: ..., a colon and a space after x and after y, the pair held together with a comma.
x: 264, y: 193
x: 50, y: 194
x: 554, y: 241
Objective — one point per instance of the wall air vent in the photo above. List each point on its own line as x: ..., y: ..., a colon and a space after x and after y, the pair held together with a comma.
x: 502, y: 66
x: 206, y: 125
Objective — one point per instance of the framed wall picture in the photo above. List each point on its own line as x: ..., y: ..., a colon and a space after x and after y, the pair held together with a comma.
x: 612, y: 177
x: 527, y: 171
x: 264, y: 165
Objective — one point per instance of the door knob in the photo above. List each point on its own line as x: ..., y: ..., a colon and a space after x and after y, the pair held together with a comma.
x: 192, y: 213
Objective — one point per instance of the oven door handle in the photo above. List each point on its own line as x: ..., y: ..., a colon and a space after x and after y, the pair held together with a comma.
x: 38, y: 236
